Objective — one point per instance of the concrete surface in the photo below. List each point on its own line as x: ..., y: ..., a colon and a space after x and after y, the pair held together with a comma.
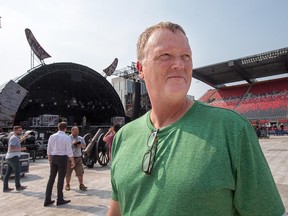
x: 95, y: 201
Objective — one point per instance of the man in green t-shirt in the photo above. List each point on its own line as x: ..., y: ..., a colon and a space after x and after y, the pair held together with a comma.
x: 184, y: 157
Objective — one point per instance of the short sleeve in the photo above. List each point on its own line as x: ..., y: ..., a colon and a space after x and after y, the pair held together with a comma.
x: 114, y: 152
x: 256, y: 192
x: 14, y: 141
x: 69, y: 147
x: 114, y: 191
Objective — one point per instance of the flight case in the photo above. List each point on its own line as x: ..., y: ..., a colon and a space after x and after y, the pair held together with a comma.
x: 24, y: 164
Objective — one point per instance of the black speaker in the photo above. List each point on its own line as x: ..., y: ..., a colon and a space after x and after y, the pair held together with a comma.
x: 136, y: 99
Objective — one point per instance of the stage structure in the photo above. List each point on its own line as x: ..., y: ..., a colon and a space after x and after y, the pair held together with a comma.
x: 71, y: 91
x: 47, y: 94
x: 132, y: 92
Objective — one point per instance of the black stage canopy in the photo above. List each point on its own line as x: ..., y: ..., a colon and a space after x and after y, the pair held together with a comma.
x: 70, y: 90
x: 244, y: 69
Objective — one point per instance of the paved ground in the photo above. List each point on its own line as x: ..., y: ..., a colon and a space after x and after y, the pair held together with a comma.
x: 276, y: 152
x: 95, y: 201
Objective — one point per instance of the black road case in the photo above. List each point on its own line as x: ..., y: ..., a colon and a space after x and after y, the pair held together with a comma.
x: 24, y: 164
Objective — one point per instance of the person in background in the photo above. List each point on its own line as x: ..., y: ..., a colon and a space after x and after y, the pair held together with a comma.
x: 108, y: 137
x: 13, y: 159
x: 185, y: 157
x: 77, y: 143
x: 58, y: 150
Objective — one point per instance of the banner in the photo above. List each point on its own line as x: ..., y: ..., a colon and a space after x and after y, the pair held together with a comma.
x: 35, y: 46
x: 110, y: 70
x: 11, y: 97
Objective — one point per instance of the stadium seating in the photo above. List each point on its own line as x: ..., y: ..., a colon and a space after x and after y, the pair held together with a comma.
x: 208, y: 94
x: 262, y: 100
x: 228, y: 97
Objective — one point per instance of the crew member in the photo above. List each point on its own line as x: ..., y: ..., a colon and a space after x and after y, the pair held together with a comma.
x: 13, y: 159
x: 78, y: 143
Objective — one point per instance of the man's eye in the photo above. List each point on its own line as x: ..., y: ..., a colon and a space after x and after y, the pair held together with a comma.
x: 164, y: 56
x: 186, y: 57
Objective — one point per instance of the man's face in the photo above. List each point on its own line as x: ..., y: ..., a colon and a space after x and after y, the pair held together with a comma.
x: 75, y: 132
x: 19, y: 131
x: 167, y: 64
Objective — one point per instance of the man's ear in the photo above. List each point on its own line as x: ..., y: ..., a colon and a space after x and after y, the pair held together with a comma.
x: 139, y: 68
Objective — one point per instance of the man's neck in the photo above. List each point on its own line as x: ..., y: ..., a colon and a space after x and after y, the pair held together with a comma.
x: 167, y: 113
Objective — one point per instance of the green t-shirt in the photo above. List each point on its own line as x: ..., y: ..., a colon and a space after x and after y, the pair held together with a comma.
x: 207, y: 163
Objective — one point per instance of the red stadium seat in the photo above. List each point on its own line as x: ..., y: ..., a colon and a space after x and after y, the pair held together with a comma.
x: 264, y: 100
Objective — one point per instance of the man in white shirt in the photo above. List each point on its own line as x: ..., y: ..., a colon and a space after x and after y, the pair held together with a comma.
x: 58, y: 151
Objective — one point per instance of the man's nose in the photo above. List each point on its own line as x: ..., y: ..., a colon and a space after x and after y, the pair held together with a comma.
x: 177, y: 63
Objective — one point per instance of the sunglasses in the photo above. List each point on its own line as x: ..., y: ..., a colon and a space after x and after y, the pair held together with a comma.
x: 149, y: 156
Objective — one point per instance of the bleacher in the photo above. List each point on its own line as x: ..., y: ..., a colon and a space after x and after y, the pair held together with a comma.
x: 260, y: 100
x: 228, y: 97
x: 265, y: 100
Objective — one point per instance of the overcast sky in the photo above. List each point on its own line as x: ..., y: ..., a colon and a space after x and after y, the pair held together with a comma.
x: 93, y: 32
